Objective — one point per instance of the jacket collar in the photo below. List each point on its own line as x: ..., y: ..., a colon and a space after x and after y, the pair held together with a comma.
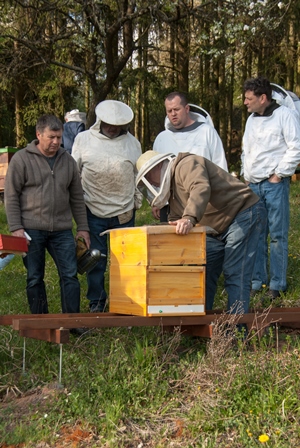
x: 32, y: 148
x: 268, y: 110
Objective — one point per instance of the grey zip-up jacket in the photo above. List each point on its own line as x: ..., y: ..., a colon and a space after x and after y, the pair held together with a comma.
x: 39, y: 198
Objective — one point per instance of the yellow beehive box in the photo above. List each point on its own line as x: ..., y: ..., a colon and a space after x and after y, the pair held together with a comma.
x: 157, y: 245
x: 155, y: 272
x: 157, y: 290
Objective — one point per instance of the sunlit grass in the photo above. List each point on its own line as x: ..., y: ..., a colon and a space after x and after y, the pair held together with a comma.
x: 141, y: 387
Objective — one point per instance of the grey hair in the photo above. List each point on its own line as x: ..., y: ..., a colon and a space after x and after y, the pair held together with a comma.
x: 48, y: 121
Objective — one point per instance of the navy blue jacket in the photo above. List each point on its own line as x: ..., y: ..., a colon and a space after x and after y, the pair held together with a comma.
x: 71, y: 129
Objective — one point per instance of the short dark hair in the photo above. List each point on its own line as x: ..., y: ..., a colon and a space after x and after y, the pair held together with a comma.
x: 259, y: 86
x: 48, y: 121
x: 182, y: 96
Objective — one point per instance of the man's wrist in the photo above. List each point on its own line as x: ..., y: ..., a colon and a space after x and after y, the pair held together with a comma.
x: 190, y: 221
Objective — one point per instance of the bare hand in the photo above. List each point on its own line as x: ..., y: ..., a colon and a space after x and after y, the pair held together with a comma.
x: 156, y: 212
x: 274, y: 179
x: 183, y: 226
x: 20, y: 233
x: 85, y: 235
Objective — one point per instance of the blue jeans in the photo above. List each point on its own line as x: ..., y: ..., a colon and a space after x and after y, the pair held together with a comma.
x: 233, y: 252
x: 96, y: 293
x: 275, y: 198
x: 61, y: 247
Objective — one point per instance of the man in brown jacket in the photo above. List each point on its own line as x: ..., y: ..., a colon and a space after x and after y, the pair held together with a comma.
x: 42, y: 194
x: 198, y: 191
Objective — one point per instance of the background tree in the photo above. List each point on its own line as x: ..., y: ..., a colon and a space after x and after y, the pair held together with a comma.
x: 58, y: 55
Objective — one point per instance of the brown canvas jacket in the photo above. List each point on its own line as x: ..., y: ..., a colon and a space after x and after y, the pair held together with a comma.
x: 206, y: 194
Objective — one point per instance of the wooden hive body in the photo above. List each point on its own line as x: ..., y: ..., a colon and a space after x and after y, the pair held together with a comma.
x: 12, y: 244
x: 5, y: 157
x: 154, y: 272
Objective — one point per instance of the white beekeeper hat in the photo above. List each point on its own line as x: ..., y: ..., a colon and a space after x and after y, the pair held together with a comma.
x: 114, y: 112
x: 145, y: 163
x: 285, y: 97
x: 75, y: 115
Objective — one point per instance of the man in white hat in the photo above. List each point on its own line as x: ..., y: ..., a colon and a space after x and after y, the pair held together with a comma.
x: 199, y: 191
x: 106, y: 155
x: 74, y: 123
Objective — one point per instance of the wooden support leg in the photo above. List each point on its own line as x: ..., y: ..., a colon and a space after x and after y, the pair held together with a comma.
x: 57, y: 336
x: 60, y: 365
x: 24, y: 354
x: 204, y: 331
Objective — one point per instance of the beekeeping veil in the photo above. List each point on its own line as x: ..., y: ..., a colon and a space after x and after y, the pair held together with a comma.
x: 286, y: 98
x: 157, y: 196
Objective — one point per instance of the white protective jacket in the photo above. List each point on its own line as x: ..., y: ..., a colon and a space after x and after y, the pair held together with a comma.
x: 271, y: 144
x: 203, y: 141
x: 107, y: 169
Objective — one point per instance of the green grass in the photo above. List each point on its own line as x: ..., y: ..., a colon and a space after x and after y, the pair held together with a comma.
x: 141, y: 387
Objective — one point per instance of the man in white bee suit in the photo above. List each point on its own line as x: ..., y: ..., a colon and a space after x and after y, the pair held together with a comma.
x: 106, y: 155
x: 271, y: 153
x: 188, y: 128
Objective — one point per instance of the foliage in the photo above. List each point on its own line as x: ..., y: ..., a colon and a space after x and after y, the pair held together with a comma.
x: 134, y: 387
x: 55, y: 56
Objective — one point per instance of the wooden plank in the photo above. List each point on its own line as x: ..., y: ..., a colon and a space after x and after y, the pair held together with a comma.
x: 60, y: 336
x: 128, y: 247
x: 13, y: 243
x: 173, y: 249
x: 128, y: 289
x: 175, y: 286
x: 157, y: 245
x: 133, y: 288
x: 7, y: 319
x: 104, y: 320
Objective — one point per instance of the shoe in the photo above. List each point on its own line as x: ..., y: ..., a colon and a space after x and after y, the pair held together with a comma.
x: 79, y: 331
x: 272, y: 294
x: 254, y: 292
x: 96, y: 307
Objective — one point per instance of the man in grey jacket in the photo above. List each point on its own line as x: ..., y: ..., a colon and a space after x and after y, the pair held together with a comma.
x: 42, y: 194
x: 199, y: 191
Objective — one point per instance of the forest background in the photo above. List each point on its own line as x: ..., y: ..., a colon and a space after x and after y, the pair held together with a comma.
x: 57, y: 55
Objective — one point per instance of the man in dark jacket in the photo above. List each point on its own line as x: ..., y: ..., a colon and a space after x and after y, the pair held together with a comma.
x: 42, y: 194
x: 199, y: 191
x: 75, y: 123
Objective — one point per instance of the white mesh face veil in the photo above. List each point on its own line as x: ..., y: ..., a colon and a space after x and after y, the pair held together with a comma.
x: 163, y: 194
x: 156, y: 195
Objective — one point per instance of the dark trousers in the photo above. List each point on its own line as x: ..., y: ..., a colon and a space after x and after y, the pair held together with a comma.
x: 164, y: 214
x: 61, y: 247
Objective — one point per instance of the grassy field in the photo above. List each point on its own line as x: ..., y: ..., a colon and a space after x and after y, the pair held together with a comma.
x: 140, y: 387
